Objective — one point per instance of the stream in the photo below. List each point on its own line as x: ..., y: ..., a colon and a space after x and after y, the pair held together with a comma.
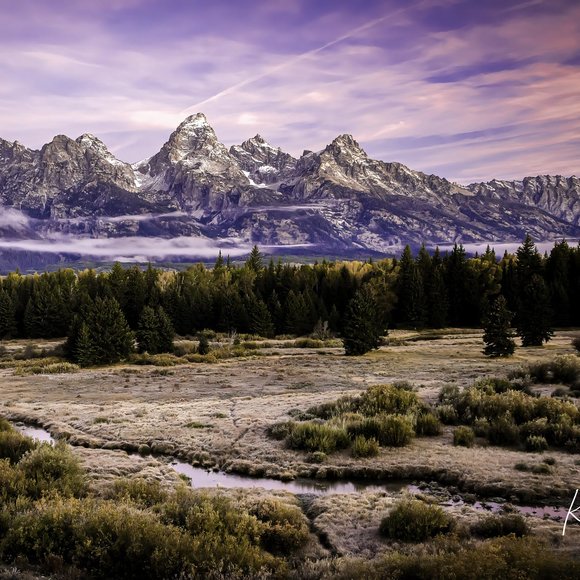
x: 201, y: 478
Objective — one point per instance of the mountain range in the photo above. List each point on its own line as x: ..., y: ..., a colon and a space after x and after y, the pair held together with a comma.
x: 336, y: 201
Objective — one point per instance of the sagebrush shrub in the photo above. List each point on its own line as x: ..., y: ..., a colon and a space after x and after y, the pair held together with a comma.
x: 536, y: 443
x: 284, y: 527
x: 503, y: 431
x: 52, y: 469
x: 463, y: 436
x: 494, y: 526
x: 427, y: 425
x: 412, y: 520
x: 14, y: 445
x: 316, y: 437
x: 363, y: 447
x: 387, y: 399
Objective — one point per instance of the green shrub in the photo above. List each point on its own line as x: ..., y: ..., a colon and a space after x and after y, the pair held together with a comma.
x: 284, y: 527
x: 447, y: 414
x: 502, y: 558
x: 315, y: 437
x: 158, y: 360
x: 481, y: 427
x: 226, y: 539
x: 280, y: 430
x: 316, y: 457
x: 183, y: 347
x: 203, y: 345
x: 536, y: 443
x: 108, y: 539
x: 541, y: 469
x: 52, y: 468
x: 412, y: 520
x: 308, y: 343
x: 494, y: 526
x: 363, y: 447
x: 48, y: 369
x: 427, y: 425
x: 449, y: 394
x: 503, y: 431
x: 563, y: 369
x: 521, y: 466
x: 12, y: 482
x: 388, y: 430
x: 5, y: 425
x: 387, y: 399
x: 143, y: 492
x: 493, y: 385
x: 549, y: 460
x: 463, y: 436
x: 342, y: 405
x: 14, y: 445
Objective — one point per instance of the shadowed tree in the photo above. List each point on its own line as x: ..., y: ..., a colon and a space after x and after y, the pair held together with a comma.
x: 7, y: 316
x: 361, y: 331
x: 534, y: 324
x: 102, y: 335
x: 497, y: 335
x: 155, y: 332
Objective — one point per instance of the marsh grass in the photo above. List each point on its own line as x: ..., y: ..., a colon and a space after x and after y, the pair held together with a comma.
x: 316, y: 437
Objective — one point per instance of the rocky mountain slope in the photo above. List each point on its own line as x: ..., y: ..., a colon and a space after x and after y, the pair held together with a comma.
x: 334, y: 200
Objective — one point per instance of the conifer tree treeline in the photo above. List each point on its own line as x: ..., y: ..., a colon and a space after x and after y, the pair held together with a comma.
x: 274, y: 298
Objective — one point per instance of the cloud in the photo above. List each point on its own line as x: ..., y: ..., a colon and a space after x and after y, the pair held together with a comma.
x: 300, y: 73
x: 131, y: 248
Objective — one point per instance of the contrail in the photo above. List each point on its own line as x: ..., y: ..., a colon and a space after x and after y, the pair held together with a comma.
x: 290, y: 62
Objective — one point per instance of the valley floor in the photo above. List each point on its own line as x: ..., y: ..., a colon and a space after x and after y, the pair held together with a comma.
x: 216, y: 416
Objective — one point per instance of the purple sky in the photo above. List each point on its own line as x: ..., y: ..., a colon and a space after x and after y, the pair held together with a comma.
x: 466, y: 89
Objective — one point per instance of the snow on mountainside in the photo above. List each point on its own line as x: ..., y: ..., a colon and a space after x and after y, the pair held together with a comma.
x: 337, y: 199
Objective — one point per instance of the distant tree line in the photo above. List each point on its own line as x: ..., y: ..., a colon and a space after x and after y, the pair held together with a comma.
x: 357, y: 300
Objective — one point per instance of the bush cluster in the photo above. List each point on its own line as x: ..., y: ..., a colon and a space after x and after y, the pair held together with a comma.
x: 463, y: 436
x: 317, y: 437
x: 412, y: 520
x: 494, y: 526
x: 505, y: 557
x: 365, y: 447
x: 507, y: 415
x: 383, y: 415
x: 138, y: 529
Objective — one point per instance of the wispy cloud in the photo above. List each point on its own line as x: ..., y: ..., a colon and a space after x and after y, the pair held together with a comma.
x: 300, y: 73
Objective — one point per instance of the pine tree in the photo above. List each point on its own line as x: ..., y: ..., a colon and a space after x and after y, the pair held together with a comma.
x: 437, y: 299
x: 534, y: 314
x: 361, y: 332
x: 101, y: 336
x: 498, y: 336
x: 260, y: 319
x: 412, y: 303
x: 84, y: 353
x: 203, y: 346
x: 7, y: 316
x: 166, y: 333
x: 148, y: 332
x: 255, y: 261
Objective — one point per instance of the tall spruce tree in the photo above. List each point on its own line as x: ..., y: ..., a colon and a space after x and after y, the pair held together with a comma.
x: 154, y: 332
x: 102, y: 336
x: 361, y: 331
x: 534, y: 321
x: 497, y: 335
x: 7, y: 315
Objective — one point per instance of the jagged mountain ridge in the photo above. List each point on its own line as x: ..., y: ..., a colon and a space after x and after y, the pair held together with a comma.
x: 335, y: 199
